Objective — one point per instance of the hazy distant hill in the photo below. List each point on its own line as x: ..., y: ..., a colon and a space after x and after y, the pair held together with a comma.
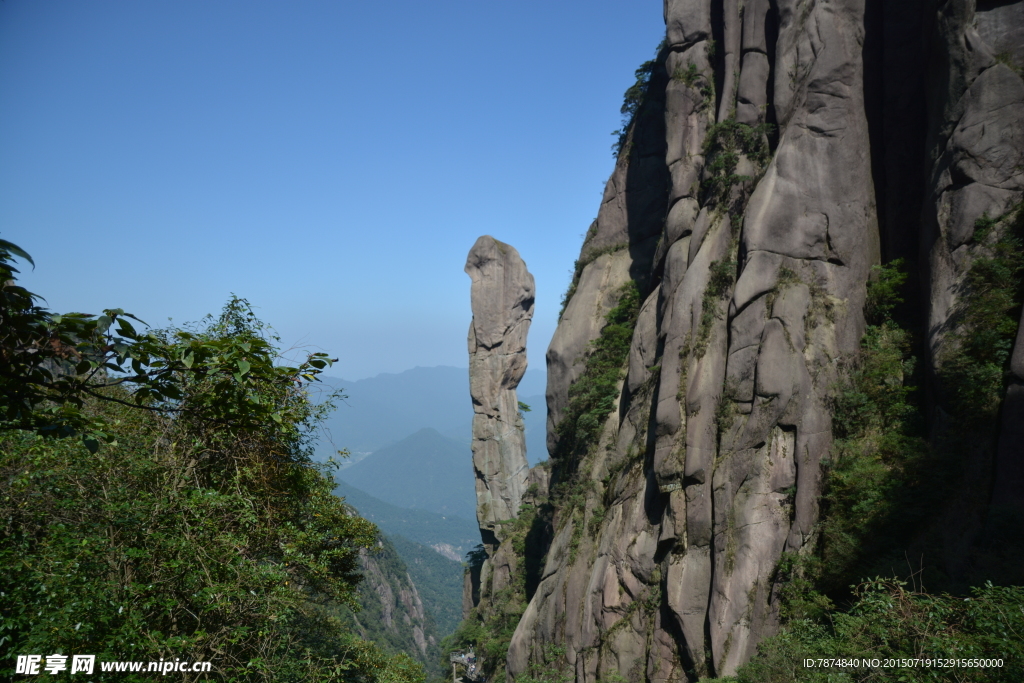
x: 424, y: 471
x: 385, y: 409
x: 421, y: 526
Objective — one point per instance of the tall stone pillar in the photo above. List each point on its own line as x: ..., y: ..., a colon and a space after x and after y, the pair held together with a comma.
x: 502, y: 299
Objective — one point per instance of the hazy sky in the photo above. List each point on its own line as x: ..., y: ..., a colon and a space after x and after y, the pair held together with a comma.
x: 333, y: 162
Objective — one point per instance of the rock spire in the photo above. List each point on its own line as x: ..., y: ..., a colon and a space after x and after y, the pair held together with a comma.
x: 502, y: 300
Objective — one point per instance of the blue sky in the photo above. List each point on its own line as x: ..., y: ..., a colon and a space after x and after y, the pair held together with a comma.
x: 333, y: 162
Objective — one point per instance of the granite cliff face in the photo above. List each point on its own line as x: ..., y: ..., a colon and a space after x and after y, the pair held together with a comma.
x: 502, y: 296
x: 391, y: 610
x: 781, y: 150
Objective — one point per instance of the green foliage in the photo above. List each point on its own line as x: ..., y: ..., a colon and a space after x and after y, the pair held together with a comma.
x: 688, y: 76
x: 887, y: 621
x: 380, y: 593
x: 632, y: 104
x: 476, y: 557
x: 723, y: 274
x: 883, y: 479
x: 50, y: 364
x: 884, y: 484
x: 438, y: 580
x: 490, y: 626
x: 632, y: 100
x: 723, y: 145
x: 201, y: 530
x: 172, y: 543
x: 490, y: 633
x: 785, y: 278
x: 884, y: 291
x: 593, y: 395
x: 553, y: 668
x: 973, y: 372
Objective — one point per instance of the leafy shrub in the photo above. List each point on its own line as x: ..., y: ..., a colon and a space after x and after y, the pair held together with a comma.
x: 552, y: 669
x: 200, y: 530
x: 973, y: 372
x: 632, y: 100
x: 723, y: 145
x: 882, y: 477
x: 593, y: 395
x: 722, y: 276
x: 888, y: 621
x: 884, y: 484
x: 688, y: 76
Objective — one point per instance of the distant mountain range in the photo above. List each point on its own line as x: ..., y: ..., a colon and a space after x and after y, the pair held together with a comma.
x: 440, y: 532
x: 385, y: 409
x: 424, y: 471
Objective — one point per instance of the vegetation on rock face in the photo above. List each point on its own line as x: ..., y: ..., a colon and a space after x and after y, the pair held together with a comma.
x: 722, y: 276
x: 885, y: 482
x: 632, y: 100
x: 387, y: 611
x: 883, y: 479
x: 724, y: 143
x: 200, y: 530
x: 438, y: 580
x: 975, y: 638
x: 588, y: 257
x: 973, y: 372
x: 553, y: 670
x: 593, y: 395
x: 489, y: 627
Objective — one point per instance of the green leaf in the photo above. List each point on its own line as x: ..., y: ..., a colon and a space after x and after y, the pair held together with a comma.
x: 125, y: 328
x: 17, y: 251
x: 243, y: 367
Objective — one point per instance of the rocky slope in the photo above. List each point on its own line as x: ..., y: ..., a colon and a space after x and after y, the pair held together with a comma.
x: 391, y: 611
x: 779, y: 150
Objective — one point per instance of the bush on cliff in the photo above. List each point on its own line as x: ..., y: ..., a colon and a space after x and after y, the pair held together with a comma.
x: 190, y: 523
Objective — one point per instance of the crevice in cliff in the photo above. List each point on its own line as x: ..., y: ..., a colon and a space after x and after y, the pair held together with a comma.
x: 771, y: 30
x: 718, y: 55
x: 647, y: 179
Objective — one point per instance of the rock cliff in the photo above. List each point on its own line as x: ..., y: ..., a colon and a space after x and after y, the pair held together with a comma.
x: 391, y: 611
x: 502, y: 297
x: 780, y: 150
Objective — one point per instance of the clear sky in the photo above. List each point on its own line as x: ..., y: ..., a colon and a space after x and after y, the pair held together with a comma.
x: 333, y: 162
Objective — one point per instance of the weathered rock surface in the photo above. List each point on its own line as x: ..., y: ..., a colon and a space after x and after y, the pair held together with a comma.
x: 897, y: 126
x: 502, y: 296
x: 392, y: 611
